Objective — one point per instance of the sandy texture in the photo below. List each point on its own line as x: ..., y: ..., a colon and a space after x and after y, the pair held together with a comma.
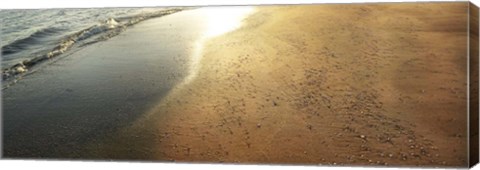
x: 361, y: 84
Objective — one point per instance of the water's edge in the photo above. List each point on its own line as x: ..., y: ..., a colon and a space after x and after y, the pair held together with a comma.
x: 110, y: 28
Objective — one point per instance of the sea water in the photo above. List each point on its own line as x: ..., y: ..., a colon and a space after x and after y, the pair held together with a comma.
x: 28, y: 37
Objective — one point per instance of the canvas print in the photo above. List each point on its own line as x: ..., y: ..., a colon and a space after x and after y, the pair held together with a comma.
x: 367, y: 84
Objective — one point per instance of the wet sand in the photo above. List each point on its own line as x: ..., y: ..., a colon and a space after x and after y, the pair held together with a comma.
x: 361, y: 84
x: 92, y: 92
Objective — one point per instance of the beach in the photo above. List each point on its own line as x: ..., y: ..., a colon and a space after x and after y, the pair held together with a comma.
x: 351, y: 84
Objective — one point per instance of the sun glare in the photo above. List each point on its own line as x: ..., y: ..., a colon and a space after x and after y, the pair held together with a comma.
x: 221, y: 20
x: 218, y: 21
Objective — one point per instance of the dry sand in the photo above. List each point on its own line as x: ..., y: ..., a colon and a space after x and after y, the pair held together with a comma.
x: 356, y: 84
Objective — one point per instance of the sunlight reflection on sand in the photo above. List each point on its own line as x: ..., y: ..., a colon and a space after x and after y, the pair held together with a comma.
x: 219, y: 20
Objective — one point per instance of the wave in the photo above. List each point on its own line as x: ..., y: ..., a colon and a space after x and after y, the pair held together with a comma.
x: 96, y: 33
x: 25, y: 43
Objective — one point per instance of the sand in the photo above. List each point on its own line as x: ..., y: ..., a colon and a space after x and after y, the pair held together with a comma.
x: 355, y: 84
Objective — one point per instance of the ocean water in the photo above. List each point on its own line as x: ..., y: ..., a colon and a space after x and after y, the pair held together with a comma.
x: 29, y: 37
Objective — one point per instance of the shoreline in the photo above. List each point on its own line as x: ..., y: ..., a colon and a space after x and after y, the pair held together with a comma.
x: 96, y: 90
x: 79, y: 39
